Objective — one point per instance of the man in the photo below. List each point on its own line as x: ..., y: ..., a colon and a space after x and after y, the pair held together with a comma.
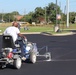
x: 15, y: 32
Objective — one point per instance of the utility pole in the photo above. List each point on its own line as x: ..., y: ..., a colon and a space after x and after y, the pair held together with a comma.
x: 65, y: 10
x: 45, y: 15
x: 56, y: 12
x: 67, y: 6
x: 9, y: 17
x: 56, y: 28
x: 24, y: 15
x: 2, y: 15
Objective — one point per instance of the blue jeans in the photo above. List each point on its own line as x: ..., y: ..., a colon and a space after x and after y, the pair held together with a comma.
x: 23, y: 48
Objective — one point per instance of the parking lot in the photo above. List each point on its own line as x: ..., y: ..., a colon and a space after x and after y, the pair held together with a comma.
x: 63, y: 57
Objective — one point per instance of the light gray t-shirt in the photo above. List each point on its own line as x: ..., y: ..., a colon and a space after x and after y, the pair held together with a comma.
x: 13, y: 31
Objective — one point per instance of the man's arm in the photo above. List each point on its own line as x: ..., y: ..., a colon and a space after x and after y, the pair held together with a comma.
x: 21, y: 35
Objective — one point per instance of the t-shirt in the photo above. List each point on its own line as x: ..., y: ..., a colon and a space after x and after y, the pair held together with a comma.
x: 13, y: 31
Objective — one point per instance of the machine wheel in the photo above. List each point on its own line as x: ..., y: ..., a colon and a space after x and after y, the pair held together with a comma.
x: 33, y: 57
x: 17, y: 63
x: 2, y: 65
x: 48, y: 55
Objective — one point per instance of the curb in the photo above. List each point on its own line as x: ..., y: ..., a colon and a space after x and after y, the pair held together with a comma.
x: 48, y: 34
x: 58, y: 34
x: 31, y: 33
x: 64, y: 34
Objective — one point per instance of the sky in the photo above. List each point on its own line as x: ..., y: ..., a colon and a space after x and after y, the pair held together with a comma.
x: 26, y: 6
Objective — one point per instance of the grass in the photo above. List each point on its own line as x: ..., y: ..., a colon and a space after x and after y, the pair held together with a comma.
x: 37, y: 29
x: 45, y: 28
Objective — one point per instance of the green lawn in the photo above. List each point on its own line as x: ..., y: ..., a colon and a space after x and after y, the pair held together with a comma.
x: 37, y: 29
x: 44, y: 28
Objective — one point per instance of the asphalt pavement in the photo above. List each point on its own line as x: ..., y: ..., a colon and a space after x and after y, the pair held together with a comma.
x: 63, y: 56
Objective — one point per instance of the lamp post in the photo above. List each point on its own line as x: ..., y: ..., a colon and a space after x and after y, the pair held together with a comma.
x: 67, y: 5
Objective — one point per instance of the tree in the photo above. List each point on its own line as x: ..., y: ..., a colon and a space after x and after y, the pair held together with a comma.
x: 0, y: 16
x: 15, y: 13
x: 8, y: 17
x: 51, y: 11
x: 29, y: 17
x: 39, y: 12
x: 72, y: 17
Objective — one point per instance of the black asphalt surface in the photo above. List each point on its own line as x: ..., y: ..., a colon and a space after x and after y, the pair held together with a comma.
x: 63, y: 52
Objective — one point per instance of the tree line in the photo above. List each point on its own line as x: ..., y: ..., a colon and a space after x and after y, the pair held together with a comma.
x: 46, y: 14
